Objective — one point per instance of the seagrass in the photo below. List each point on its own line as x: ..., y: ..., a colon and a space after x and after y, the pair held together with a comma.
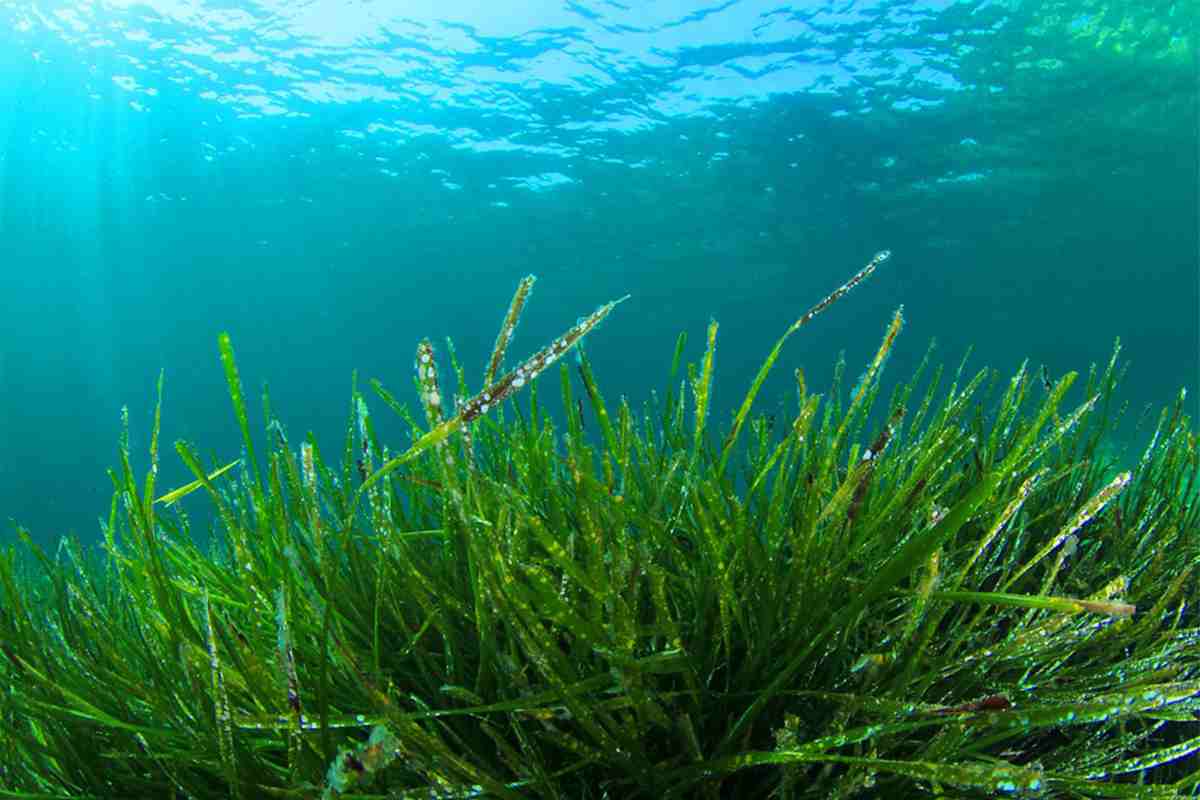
x: 944, y: 593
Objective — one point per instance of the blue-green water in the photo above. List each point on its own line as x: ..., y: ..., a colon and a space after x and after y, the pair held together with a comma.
x: 332, y: 181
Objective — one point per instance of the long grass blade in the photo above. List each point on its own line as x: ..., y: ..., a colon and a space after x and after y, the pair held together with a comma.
x: 743, y: 411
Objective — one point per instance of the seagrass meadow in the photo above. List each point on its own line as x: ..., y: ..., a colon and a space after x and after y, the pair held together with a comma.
x: 950, y: 588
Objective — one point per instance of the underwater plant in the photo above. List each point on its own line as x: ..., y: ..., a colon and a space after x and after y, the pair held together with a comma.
x: 965, y: 598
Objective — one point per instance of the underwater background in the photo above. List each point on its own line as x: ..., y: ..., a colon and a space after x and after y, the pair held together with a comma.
x: 332, y: 181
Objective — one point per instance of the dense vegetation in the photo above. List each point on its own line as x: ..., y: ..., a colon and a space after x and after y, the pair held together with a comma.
x: 958, y: 594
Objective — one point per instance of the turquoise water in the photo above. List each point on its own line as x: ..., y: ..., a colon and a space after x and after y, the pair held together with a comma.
x: 332, y: 181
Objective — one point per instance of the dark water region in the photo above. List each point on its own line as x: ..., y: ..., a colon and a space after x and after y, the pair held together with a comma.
x: 331, y: 182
